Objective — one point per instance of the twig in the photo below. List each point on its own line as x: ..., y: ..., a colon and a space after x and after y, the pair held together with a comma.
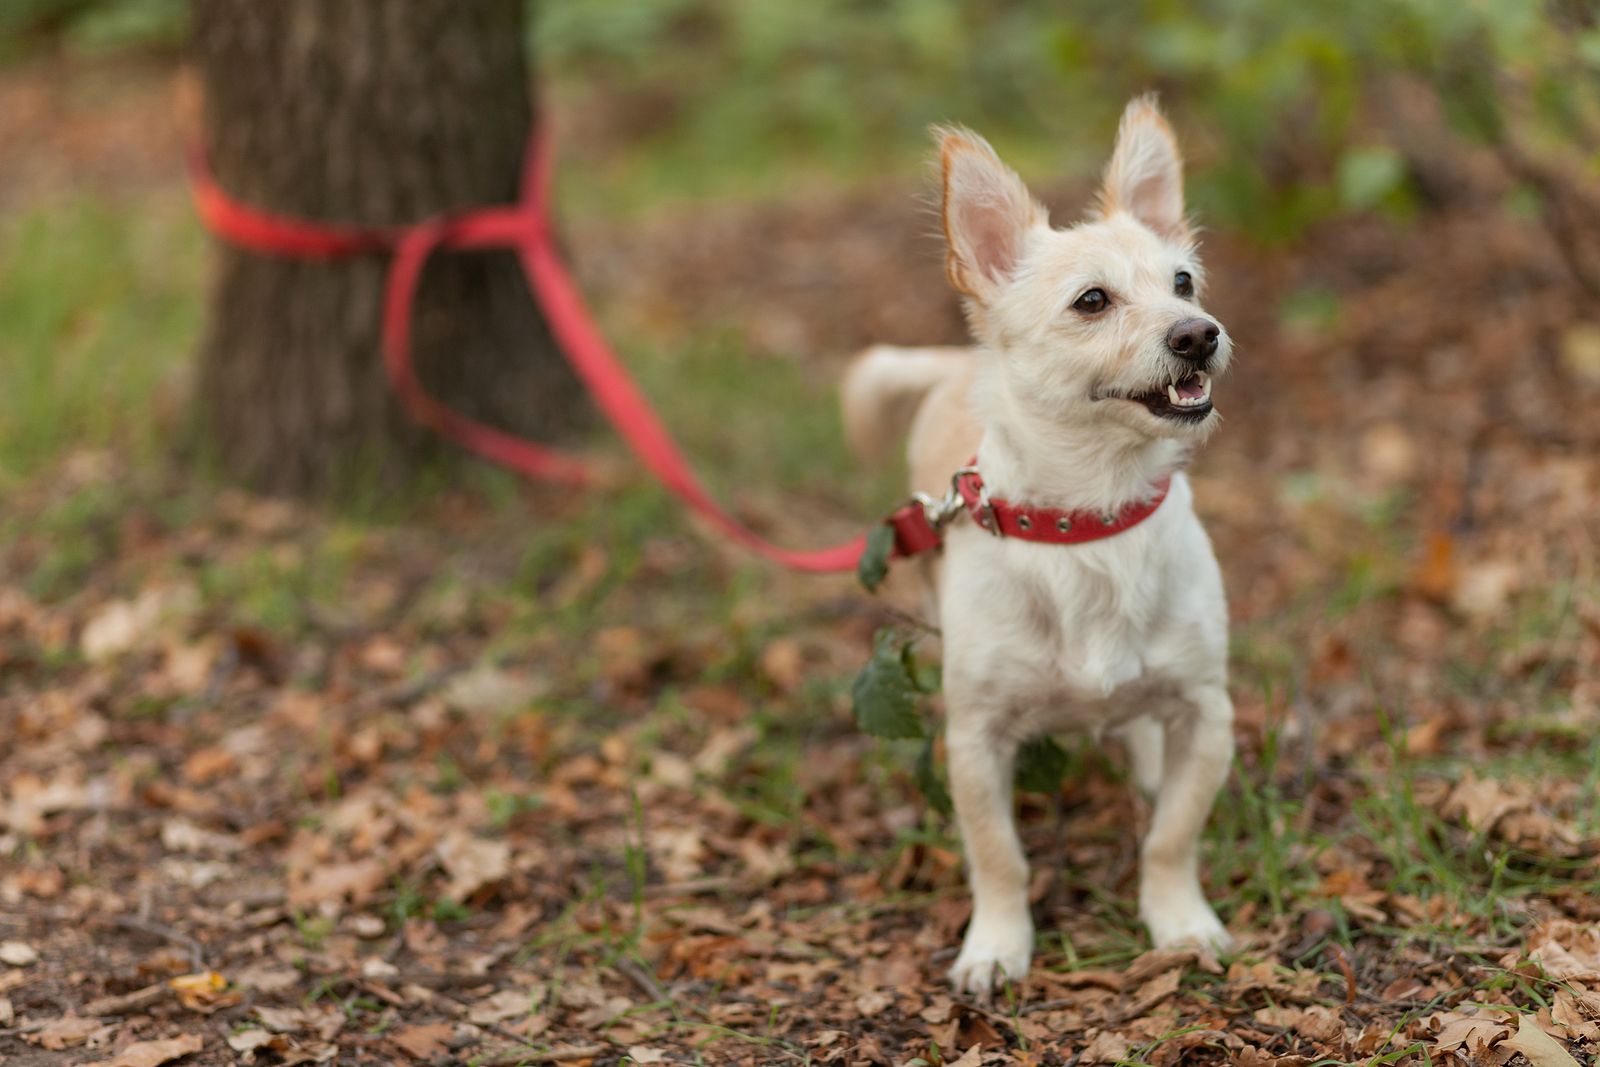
x: 1349, y: 973
x: 197, y: 952
x: 974, y: 1006
x: 642, y: 978
x: 688, y: 889
x: 437, y: 980
x: 555, y: 1055
x: 128, y: 1002
x: 29, y: 1029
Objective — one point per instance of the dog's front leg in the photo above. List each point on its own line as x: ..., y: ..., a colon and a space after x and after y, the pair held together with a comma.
x: 1198, y: 750
x: 1000, y: 935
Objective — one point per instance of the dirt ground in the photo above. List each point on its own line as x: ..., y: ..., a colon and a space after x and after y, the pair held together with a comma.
x: 605, y: 802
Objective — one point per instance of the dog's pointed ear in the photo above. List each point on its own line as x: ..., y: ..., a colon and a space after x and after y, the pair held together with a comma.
x: 1145, y: 175
x: 987, y: 212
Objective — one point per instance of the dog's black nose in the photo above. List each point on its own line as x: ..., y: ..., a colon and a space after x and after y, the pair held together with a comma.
x: 1193, y: 339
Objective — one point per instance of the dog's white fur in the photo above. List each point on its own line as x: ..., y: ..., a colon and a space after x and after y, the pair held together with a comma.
x: 1128, y: 633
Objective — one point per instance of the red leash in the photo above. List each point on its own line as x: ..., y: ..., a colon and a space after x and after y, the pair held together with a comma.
x: 524, y: 226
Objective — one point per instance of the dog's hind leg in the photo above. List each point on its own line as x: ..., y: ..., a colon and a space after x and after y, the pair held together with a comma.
x: 1000, y: 936
x: 1198, y: 752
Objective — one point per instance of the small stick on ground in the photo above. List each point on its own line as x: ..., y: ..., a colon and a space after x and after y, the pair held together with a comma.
x: 688, y: 889
x: 197, y: 952
x: 1343, y: 962
x: 555, y: 1055
x: 138, y: 1000
x: 643, y: 979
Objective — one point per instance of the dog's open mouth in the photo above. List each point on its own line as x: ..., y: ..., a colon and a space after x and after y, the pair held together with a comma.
x: 1187, y: 399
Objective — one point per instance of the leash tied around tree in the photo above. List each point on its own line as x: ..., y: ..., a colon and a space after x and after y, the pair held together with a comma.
x: 524, y: 228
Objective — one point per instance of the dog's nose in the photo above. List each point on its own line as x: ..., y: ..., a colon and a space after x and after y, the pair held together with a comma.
x: 1194, y: 339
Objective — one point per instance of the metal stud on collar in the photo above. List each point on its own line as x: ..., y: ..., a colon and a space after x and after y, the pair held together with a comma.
x: 1064, y: 524
x: 1024, y: 523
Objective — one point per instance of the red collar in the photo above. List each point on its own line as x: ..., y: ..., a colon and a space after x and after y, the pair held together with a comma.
x: 918, y: 525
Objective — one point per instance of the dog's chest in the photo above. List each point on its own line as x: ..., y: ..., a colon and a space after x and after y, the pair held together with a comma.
x: 1078, y: 637
x: 1094, y: 624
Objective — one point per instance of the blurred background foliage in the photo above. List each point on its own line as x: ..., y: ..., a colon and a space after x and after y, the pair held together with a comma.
x: 1292, y: 112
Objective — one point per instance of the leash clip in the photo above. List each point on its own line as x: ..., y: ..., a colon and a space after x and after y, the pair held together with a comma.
x: 941, y: 512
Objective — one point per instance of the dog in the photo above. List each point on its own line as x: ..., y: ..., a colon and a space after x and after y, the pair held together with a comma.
x: 1087, y: 388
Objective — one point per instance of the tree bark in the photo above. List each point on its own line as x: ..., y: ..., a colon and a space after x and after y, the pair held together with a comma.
x: 368, y: 112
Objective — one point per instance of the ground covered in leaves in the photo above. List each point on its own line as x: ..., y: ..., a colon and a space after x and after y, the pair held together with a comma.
x: 517, y: 777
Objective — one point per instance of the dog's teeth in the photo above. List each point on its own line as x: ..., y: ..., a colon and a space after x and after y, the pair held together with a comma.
x: 1172, y: 394
x: 1205, y: 382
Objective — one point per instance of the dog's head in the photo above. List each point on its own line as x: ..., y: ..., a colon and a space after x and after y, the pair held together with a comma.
x: 1101, y: 320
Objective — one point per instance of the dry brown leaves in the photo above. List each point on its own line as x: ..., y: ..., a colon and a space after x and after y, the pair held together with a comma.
x: 428, y: 819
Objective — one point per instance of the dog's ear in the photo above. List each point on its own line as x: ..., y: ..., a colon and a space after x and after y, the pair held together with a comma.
x: 987, y: 212
x: 1145, y: 175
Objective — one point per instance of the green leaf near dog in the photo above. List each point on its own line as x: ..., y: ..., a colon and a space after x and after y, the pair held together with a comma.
x: 873, y: 566
x: 932, y: 787
x: 885, y: 692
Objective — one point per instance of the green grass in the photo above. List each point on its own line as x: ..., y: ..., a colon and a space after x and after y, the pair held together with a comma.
x: 99, y: 313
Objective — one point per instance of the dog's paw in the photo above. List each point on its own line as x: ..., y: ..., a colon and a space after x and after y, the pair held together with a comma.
x: 1191, y: 924
x: 990, y: 954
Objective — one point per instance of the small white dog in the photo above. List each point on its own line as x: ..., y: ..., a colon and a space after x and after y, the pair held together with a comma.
x: 1089, y: 384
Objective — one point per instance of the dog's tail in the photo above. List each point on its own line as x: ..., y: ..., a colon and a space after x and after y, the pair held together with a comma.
x: 883, y: 388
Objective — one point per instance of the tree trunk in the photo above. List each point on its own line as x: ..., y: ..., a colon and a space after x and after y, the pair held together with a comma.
x: 367, y: 112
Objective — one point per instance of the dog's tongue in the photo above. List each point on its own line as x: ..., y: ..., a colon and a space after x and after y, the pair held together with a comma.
x: 1191, y: 388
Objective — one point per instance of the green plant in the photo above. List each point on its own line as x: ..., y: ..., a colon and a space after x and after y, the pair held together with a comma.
x: 889, y: 702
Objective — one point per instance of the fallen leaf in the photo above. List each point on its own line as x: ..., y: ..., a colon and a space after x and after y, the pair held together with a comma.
x: 1484, y: 588
x: 248, y: 1041
x: 424, y: 1042
x: 268, y: 978
x: 155, y: 1053
x: 824, y: 1038
x: 63, y: 1032
x: 1470, y: 1031
x: 32, y: 798
x: 204, y: 992
x: 123, y: 625
x: 1541, y: 1049
x: 874, y: 1002
x: 282, y: 1020
x: 970, y: 1058
x: 506, y: 1004
x: 472, y: 863
x: 1106, y: 1047
x: 338, y: 881
x: 1481, y: 803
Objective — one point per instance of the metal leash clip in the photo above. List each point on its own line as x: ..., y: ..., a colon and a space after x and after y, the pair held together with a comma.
x: 954, y: 503
x: 941, y: 512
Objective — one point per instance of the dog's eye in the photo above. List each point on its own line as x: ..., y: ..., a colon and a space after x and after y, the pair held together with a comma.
x: 1183, y: 284
x: 1093, y: 302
